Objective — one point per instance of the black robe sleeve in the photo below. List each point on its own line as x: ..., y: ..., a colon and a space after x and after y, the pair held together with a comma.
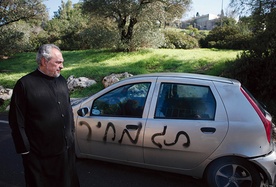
x: 17, y: 119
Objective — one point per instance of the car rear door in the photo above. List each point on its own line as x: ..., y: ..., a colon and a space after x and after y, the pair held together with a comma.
x: 186, y: 123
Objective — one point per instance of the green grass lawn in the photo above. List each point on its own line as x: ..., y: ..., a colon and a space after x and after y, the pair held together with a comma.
x: 96, y: 64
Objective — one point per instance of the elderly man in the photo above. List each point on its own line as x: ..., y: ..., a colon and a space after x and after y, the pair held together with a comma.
x: 42, y: 123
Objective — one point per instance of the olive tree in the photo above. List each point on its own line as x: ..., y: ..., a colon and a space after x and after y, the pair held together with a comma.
x: 19, y: 20
x: 13, y: 11
x: 127, y: 13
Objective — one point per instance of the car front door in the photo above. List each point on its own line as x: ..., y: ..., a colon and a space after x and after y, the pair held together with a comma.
x: 186, y: 123
x: 115, y: 127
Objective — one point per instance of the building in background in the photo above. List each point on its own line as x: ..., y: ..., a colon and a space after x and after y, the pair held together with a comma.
x: 204, y: 22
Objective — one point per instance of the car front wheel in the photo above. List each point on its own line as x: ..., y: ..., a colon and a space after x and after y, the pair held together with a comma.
x: 234, y: 172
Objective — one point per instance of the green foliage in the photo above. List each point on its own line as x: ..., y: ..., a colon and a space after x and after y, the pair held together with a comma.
x: 99, y: 35
x: 18, y: 23
x: 146, y: 35
x: 179, y: 40
x: 226, y: 21
x: 8, y: 39
x: 16, y: 37
x: 16, y: 10
x: 128, y: 13
x: 226, y: 37
x: 194, y: 32
x: 70, y: 29
x: 65, y: 29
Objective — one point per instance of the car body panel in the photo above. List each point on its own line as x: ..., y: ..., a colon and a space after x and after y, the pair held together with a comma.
x: 246, y: 131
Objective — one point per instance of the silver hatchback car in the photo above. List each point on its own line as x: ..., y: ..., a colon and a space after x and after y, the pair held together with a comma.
x: 203, y: 126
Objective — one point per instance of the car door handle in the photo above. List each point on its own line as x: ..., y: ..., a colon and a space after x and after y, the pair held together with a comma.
x: 132, y: 127
x: 208, y: 130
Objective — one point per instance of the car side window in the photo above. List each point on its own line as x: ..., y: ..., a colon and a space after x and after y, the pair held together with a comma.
x: 183, y: 101
x: 125, y: 101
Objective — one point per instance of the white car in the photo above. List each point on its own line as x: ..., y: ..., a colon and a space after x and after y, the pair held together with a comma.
x: 198, y: 125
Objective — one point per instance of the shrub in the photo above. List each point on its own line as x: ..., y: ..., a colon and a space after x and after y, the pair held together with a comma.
x: 226, y: 37
x: 179, y: 40
x: 15, y: 38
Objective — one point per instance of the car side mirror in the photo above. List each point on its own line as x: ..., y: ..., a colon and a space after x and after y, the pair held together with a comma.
x: 83, y: 111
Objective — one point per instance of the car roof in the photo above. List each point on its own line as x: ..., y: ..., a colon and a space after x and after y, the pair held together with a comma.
x: 189, y: 76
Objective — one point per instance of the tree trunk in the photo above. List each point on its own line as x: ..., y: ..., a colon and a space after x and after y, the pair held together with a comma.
x: 127, y: 33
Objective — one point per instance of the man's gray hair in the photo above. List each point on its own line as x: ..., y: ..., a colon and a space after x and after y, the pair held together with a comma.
x: 44, y: 51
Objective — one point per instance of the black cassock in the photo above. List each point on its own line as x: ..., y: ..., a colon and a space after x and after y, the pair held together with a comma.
x: 42, y: 124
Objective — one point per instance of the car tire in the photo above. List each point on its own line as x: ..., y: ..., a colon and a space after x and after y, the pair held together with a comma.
x: 232, y: 172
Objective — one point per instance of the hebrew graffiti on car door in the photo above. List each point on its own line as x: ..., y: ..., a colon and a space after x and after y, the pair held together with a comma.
x: 158, y: 144
x: 134, y: 139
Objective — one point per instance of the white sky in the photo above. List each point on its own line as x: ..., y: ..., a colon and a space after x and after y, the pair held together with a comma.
x: 201, y: 6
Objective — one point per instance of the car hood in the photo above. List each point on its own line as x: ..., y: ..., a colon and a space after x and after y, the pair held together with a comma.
x: 75, y: 101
